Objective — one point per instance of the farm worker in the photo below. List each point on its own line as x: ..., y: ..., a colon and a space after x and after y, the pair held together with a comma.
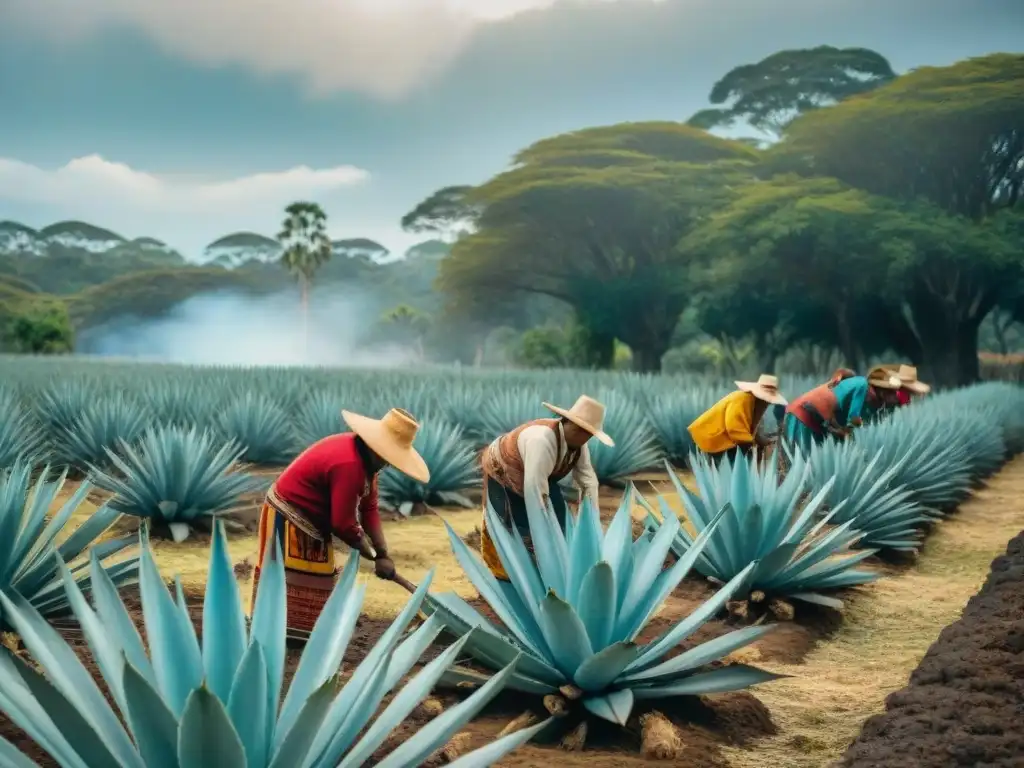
x: 834, y: 407
x: 531, y: 459
x: 331, y: 488
x: 731, y: 425
x: 909, y: 384
x: 885, y: 393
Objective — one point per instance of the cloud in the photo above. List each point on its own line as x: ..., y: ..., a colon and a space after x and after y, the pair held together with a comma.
x: 384, y: 48
x: 110, y: 193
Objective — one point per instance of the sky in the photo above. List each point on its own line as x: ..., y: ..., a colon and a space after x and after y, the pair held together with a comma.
x: 187, y: 120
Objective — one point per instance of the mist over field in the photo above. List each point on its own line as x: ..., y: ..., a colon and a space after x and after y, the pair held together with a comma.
x: 231, y: 328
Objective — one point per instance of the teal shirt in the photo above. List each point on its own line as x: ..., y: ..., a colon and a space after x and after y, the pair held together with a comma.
x: 852, y: 395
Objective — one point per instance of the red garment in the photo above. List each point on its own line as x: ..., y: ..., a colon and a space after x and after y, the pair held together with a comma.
x: 824, y: 401
x: 903, y: 397
x: 328, y: 482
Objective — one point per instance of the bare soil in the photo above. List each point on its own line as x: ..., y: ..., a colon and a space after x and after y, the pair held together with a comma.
x: 963, y: 704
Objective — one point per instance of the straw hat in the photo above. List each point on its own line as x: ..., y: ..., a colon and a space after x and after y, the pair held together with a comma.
x: 884, y: 379
x: 908, y: 378
x: 587, y: 414
x: 391, y: 438
x: 766, y: 388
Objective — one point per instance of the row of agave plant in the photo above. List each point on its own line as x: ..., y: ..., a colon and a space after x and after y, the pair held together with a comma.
x: 570, y: 620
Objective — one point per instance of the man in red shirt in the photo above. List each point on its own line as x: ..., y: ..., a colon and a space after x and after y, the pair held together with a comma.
x: 331, y: 489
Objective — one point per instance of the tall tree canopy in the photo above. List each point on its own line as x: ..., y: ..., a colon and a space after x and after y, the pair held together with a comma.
x: 769, y: 94
x: 305, y: 248
x: 602, y: 238
x: 447, y: 213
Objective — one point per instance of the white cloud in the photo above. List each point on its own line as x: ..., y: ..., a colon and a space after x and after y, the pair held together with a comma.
x: 115, y: 195
x: 380, y: 47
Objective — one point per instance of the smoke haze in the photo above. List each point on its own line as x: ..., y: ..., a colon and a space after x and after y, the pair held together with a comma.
x: 230, y: 328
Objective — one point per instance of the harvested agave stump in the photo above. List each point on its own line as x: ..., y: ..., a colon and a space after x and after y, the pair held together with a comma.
x: 759, y: 608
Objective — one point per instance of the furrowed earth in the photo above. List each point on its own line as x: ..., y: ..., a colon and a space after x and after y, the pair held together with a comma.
x: 841, y: 668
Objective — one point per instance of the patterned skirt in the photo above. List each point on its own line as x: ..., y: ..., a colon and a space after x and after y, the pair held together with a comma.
x: 511, y: 507
x: 310, y: 573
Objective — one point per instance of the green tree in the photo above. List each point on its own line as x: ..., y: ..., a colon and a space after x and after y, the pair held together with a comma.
x: 407, y: 326
x: 305, y: 248
x: 953, y: 137
x: 42, y: 328
x: 447, y: 213
x: 603, y: 237
x: 769, y: 94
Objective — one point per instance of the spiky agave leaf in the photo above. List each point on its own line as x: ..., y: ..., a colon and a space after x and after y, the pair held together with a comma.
x: 187, y: 703
x: 863, y: 492
x: 59, y: 405
x: 507, y: 409
x: 181, y: 402
x: 28, y: 541
x: 101, y: 426
x: 261, y: 426
x: 319, y: 416
x: 574, y: 614
x: 765, y: 521
x: 453, y: 466
x: 176, y: 477
x: 20, y: 436
x: 671, y: 414
x: 636, y: 445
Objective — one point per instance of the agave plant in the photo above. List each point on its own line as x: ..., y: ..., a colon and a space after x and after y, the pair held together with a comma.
x: 932, y: 454
x: 176, y: 478
x: 59, y: 406
x: 261, y: 426
x: 180, y: 402
x: 453, y: 468
x: 507, y: 409
x: 765, y: 521
x: 670, y: 417
x: 863, y: 493
x: 28, y: 545
x: 318, y: 417
x: 218, y: 702
x: 576, y: 611
x: 636, y: 444
x: 20, y: 436
x: 101, y: 426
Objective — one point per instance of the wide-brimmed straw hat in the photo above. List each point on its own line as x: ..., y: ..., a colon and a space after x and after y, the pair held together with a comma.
x: 587, y: 414
x: 391, y: 438
x: 883, y: 378
x: 766, y: 388
x: 908, y: 379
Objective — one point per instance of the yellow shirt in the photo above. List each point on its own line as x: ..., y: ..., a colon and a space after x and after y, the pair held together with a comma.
x: 726, y: 424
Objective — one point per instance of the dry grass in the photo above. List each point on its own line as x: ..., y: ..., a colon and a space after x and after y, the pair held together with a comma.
x: 885, y: 633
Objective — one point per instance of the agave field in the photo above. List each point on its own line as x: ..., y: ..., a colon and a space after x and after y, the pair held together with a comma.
x: 646, y: 630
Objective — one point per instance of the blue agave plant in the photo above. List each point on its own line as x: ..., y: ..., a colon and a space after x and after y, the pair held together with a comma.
x: 59, y: 406
x: 180, y: 402
x: 672, y: 413
x: 318, y: 417
x: 509, y: 408
x: 453, y: 468
x: 177, y: 478
x: 217, y: 703
x: 575, y: 614
x: 28, y: 542
x: 765, y: 522
x: 20, y: 436
x: 102, y: 425
x: 862, y: 492
x: 636, y: 444
x: 261, y: 426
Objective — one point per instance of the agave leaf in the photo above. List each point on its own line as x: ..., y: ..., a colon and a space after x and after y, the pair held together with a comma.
x: 823, y: 600
x: 414, y: 750
x: 703, y: 654
x: 12, y: 757
x: 735, y: 677
x: 552, y: 555
x: 596, y: 595
x: 206, y: 737
x: 456, y: 676
x: 599, y: 671
x: 153, y: 725
x: 224, y: 631
x: 615, y: 707
x: 114, y: 616
x: 295, y: 747
x: 247, y: 705
x: 179, y: 531
x: 268, y: 628
x: 565, y: 634
x: 409, y: 651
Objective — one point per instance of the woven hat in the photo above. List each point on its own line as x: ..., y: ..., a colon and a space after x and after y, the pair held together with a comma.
x: 908, y: 379
x: 587, y: 414
x: 884, y: 379
x: 766, y: 388
x: 391, y: 438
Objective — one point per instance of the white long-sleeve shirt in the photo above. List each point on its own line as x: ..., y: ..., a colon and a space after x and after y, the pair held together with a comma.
x: 538, y: 446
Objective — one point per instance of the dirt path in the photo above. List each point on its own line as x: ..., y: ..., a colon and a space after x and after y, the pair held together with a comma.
x: 886, y: 632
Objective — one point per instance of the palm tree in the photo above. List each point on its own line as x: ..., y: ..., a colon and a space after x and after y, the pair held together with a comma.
x: 306, y: 247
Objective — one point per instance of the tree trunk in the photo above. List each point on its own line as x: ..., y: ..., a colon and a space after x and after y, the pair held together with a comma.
x: 949, y: 347
x: 304, y: 298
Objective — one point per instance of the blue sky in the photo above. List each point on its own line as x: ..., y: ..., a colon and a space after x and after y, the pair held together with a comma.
x: 189, y: 119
